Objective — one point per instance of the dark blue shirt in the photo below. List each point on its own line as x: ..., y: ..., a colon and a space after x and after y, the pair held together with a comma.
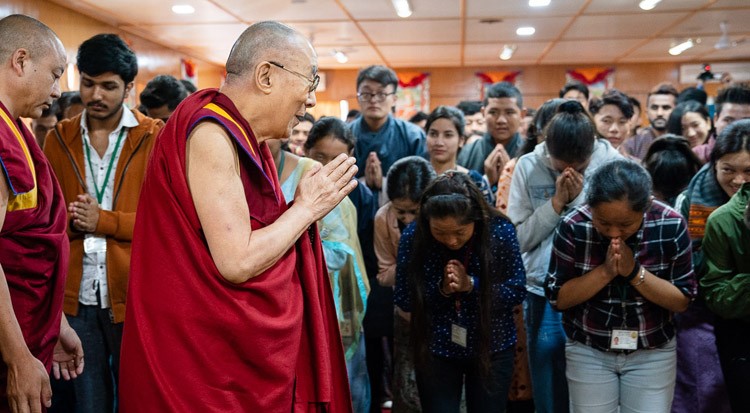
x: 472, y: 156
x: 395, y: 140
x: 508, y: 290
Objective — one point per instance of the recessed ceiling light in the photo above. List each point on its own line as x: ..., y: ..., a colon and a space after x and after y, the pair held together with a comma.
x: 183, y: 9
x: 340, y: 56
x: 539, y: 3
x: 507, y: 52
x: 403, y: 8
x: 648, y: 4
x: 525, y: 31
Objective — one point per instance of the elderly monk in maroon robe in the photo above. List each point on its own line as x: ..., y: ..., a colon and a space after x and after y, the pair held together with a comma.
x: 230, y: 308
x: 34, y: 335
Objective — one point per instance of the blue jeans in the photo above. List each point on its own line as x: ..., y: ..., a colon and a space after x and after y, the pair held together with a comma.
x: 600, y: 381
x: 441, y: 382
x: 95, y: 389
x: 545, y: 340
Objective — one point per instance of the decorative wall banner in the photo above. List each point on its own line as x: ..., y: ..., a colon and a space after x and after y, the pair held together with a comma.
x: 486, y: 79
x: 413, y: 94
x: 598, y: 79
x: 189, y: 71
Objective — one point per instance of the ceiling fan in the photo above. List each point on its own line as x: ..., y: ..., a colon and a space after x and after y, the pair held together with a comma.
x: 724, y: 41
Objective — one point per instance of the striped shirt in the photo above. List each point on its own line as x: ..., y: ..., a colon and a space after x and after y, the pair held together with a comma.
x: 661, y: 245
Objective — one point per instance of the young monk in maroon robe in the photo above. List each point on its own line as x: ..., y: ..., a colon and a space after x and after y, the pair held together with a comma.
x: 230, y: 308
x: 34, y: 335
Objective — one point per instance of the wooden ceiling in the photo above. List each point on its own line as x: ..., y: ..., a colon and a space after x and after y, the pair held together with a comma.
x: 444, y: 33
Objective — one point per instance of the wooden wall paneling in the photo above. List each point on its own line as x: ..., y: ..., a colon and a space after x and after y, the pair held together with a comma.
x: 448, y: 86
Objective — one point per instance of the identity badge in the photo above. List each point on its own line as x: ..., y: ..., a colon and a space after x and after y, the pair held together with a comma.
x: 624, y: 340
x: 458, y: 335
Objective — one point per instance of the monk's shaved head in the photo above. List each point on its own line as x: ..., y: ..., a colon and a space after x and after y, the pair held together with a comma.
x: 23, y: 32
x: 258, y: 42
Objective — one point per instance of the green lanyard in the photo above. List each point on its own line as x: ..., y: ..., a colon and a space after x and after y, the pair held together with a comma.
x: 100, y: 194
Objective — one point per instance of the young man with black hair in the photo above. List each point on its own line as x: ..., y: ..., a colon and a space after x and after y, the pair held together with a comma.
x: 296, y: 142
x: 100, y: 158
x: 575, y: 90
x: 162, y: 95
x: 475, y: 125
x: 659, y: 105
x: 503, y: 111
x: 41, y: 125
x: 381, y: 138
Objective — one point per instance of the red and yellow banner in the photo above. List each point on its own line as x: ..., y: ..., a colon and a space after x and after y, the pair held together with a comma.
x: 590, y: 76
x: 494, y: 77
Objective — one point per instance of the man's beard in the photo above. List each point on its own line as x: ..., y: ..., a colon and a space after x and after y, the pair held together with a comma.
x: 659, y: 124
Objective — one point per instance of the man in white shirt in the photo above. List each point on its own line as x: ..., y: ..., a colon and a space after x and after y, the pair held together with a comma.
x: 100, y: 158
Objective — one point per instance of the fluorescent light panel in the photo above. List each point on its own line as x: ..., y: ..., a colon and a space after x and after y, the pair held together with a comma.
x: 679, y: 48
x: 539, y: 3
x: 525, y: 31
x: 183, y: 9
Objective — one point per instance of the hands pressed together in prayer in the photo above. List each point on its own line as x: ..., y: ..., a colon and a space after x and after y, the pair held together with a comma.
x: 84, y: 213
x: 567, y: 187
x: 495, y: 162
x: 455, y: 279
x: 323, y: 187
x: 620, y: 260
x: 373, y: 172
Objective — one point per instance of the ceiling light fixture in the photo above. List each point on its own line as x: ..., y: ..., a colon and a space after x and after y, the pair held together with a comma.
x: 539, y: 3
x: 183, y: 9
x: 681, y: 47
x: 507, y: 51
x: 403, y: 8
x: 340, y: 56
x: 525, y: 31
x: 648, y: 4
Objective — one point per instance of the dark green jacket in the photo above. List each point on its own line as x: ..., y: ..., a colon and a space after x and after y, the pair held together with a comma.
x: 726, y: 247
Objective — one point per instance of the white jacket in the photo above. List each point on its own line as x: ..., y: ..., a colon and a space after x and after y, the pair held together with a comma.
x: 530, y: 206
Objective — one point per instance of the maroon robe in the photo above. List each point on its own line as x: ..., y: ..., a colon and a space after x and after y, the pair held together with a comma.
x: 34, y: 248
x: 196, y: 342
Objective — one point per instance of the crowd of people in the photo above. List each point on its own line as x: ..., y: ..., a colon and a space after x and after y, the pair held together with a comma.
x: 221, y: 250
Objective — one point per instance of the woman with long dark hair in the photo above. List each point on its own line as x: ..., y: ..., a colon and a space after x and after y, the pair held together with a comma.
x: 459, y: 275
x: 691, y: 120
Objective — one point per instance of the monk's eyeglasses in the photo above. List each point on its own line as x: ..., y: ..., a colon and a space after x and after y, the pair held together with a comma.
x: 313, y: 82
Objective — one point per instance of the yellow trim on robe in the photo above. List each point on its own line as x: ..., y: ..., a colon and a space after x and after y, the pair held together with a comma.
x: 221, y: 112
x: 27, y: 200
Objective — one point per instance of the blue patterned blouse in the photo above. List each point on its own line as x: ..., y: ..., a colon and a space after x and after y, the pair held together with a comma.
x: 508, y: 290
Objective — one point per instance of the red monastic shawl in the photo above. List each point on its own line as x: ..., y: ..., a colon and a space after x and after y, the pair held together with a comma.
x: 34, y: 248
x: 194, y: 342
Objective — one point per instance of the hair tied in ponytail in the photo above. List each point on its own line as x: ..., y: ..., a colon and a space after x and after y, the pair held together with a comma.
x: 571, y: 106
